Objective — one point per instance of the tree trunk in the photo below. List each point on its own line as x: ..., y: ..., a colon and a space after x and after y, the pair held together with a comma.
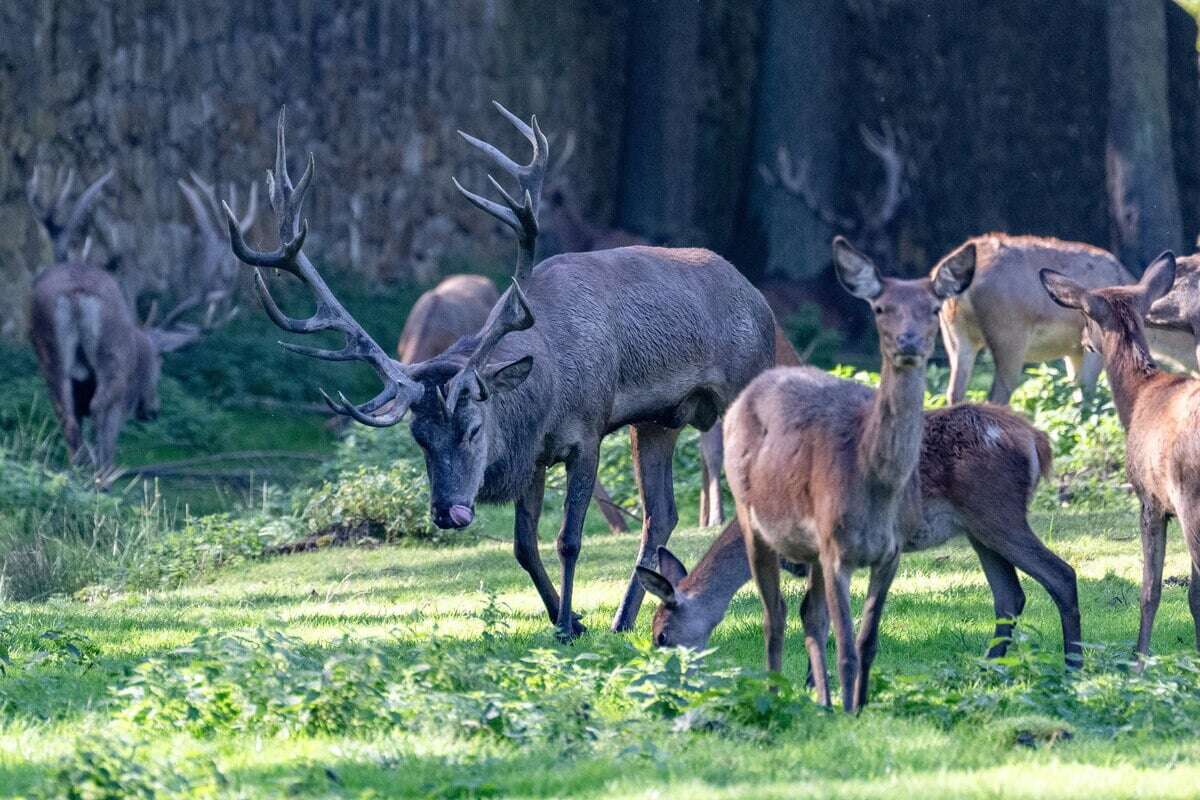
x: 657, y: 193
x: 1143, y: 196
x: 797, y: 105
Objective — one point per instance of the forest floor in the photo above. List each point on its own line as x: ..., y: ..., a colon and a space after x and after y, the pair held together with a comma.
x: 939, y: 613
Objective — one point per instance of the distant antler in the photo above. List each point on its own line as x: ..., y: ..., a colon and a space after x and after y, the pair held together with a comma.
x: 522, y: 217
x: 886, y: 148
x: 62, y: 220
x: 286, y: 200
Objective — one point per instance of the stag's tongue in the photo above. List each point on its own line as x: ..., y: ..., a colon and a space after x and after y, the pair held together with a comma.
x: 461, y: 515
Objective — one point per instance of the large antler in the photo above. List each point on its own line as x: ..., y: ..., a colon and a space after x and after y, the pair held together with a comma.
x: 51, y: 203
x: 522, y: 217
x: 330, y: 315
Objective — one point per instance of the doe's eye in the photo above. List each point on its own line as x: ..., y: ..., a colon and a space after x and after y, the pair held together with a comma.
x: 661, y: 639
x: 877, y: 309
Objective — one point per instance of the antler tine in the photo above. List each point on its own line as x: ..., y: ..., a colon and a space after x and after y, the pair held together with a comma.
x: 251, y: 214
x: 514, y: 316
x: 286, y: 200
x: 885, y: 147
x: 204, y: 218
x: 521, y: 217
x: 79, y: 212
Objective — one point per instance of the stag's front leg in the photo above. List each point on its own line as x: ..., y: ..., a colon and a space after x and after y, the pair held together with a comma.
x: 528, y: 508
x: 653, y: 449
x: 581, y: 478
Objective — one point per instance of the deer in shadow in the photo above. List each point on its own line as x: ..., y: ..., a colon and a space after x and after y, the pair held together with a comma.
x: 580, y: 345
x: 978, y: 470
x: 1161, y: 416
x: 822, y: 469
x: 98, y: 362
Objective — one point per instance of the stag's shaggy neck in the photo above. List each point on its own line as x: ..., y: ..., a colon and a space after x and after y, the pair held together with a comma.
x: 890, y: 446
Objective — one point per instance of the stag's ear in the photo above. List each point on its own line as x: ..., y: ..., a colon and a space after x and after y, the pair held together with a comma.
x: 507, y: 377
x: 169, y: 341
x: 672, y: 568
x: 954, y: 274
x: 1064, y: 291
x: 855, y: 271
x: 656, y: 585
x: 1157, y: 280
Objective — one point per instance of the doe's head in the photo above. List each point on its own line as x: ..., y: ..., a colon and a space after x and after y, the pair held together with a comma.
x: 681, y: 620
x: 906, y: 311
x: 1113, y: 314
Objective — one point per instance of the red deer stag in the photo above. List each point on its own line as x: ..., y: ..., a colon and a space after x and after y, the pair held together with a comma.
x: 643, y: 336
x: 822, y: 469
x: 569, y: 231
x: 458, y: 306
x: 1161, y: 416
x: 97, y: 361
x: 979, y: 467
x: 1006, y: 311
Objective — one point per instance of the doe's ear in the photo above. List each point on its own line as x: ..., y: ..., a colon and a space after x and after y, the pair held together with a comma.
x: 1157, y: 280
x: 656, y: 585
x: 671, y: 567
x: 954, y: 274
x: 1064, y: 291
x: 857, y: 273
x: 507, y: 377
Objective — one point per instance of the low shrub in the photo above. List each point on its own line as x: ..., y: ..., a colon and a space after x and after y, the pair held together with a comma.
x: 386, y: 504
x: 118, y: 768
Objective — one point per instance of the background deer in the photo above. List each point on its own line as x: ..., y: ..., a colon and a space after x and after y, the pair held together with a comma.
x: 648, y: 337
x: 98, y: 362
x: 1177, y: 313
x: 978, y: 470
x: 1161, y: 416
x: 822, y: 469
x: 1006, y: 311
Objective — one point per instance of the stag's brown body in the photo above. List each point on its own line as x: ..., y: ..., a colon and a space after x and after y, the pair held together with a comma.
x: 1161, y: 416
x: 457, y: 307
x: 979, y: 467
x: 1006, y: 311
x: 96, y: 360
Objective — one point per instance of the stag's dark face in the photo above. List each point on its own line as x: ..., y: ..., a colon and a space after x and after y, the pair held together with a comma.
x: 456, y: 455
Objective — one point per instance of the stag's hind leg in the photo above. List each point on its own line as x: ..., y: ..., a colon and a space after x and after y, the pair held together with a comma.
x: 653, y: 450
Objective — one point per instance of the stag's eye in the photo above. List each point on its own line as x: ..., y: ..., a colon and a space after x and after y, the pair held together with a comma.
x: 879, y: 309
x: 473, y: 434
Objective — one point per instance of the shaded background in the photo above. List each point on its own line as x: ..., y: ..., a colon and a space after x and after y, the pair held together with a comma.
x: 1007, y: 115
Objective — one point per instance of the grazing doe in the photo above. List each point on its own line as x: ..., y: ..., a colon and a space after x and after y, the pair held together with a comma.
x: 822, y: 468
x: 1006, y: 311
x: 97, y: 361
x: 978, y: 470
x: 649, y: 337
x: 1161, y: 416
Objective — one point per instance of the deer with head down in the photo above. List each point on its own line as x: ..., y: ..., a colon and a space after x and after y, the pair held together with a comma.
x: 458, y: 306
x: 1006, y: 311
x: 580, y: 345
x: 822, y: 469
x: 1161, y: 416
x: 978, y: 470
x: 96, y: 359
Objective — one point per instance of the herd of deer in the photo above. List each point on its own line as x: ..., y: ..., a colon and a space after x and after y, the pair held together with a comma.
x: 827, y: 475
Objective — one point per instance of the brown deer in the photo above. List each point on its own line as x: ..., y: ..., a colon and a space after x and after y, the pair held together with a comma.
x: 98, y: 362
x: 978, y: 470
x: 649, y: 337
x: 1006, y: 311
x: 823, y: 469
x: 458, y: 306
x: 1161, y: 416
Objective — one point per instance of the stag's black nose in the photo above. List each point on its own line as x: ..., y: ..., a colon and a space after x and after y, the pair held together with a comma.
x: 453, y: 517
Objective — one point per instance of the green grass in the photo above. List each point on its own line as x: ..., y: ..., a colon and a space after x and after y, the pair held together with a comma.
x: 939, y: 610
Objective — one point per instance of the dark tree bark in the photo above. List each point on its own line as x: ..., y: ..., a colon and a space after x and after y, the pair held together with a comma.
x: 1143, y: 196
x: 796, y: 106
x: 657, y: 190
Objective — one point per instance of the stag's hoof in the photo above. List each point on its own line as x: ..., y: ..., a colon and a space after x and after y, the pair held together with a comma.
x: 576, y: 629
